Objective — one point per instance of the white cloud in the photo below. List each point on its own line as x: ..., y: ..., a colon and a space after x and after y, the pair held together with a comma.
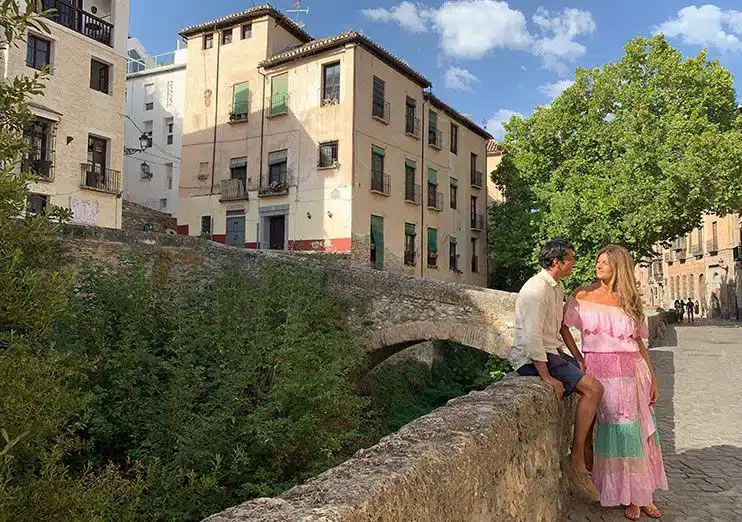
x: 552, y: 90
x: 459, y: 79
x: 495, y: 124
x: 408, y: 15
x: 469, y: 29
x: 706, y: 25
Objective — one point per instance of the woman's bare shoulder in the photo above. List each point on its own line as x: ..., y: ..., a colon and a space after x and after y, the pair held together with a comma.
x: 584, y: 292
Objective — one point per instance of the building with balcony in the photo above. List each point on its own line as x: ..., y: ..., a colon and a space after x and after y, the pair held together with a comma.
x: 331, y: 145
x: 705, y: 265
x: 76, y: 140
x: 494, y: 158
x: 155, y: 100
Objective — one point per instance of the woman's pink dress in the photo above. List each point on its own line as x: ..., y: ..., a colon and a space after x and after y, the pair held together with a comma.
x: 627, y: 464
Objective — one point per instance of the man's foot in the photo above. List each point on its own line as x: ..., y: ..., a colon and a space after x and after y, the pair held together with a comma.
x: 583, y: 481
x: 652, y: 511
x: 633, y: 512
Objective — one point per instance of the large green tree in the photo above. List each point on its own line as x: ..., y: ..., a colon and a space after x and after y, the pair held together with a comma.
x: 633, y: 153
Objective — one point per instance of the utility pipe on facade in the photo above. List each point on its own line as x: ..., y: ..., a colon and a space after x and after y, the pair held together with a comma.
x: 218, y: 37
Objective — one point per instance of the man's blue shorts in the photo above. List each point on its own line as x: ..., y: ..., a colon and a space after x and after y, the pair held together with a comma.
x: 562, y: 367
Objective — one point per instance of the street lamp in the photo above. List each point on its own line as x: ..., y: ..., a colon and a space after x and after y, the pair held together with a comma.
x: 143, y: 145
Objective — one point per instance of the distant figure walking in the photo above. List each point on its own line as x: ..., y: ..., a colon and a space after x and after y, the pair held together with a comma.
x: 690, y: 308
x: 681, y: 310
x: 699, y: 312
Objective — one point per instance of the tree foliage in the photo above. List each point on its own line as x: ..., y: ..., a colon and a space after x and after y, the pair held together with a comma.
x: 634, y: 153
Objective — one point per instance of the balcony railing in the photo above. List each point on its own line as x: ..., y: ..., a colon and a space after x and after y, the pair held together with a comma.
x: 432, y: 259
x: 712, y: 246
x: 412, y: 193
x: 477, y: 178
x: 657, y: 270
x: 380, y: 182
x: 477, y: 221
x: 232, y: 190
x: 679, y: 244
x: 239, y: 112
x: 697, y: 250
x: 278, y: 104
x: 435, y: 200
x: 275, y: 185
x: 412, y: 127
x: 79, y: 21
x: 97, y: 178
x: 680, y: 254
x: 669, y: 258
x: 475, y: 263
x: 40, y: 169
x: 409, y: 257
x: 435, y: 138
x: 453, y: 262
x: 381, y: 110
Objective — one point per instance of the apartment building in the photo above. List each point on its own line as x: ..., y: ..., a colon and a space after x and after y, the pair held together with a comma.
x: 705, y: 265
x: 330, y: 145
x: 155, y: 101
x: 494, y: 157
x: 77, y: 138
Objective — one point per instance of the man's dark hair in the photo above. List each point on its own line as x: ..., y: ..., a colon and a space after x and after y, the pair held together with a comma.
x: 554, y: 249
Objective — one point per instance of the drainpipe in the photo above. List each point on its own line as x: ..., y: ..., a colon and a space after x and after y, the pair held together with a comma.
x: 353, y: 144
x: 217, y: 36
x: 423, y: 188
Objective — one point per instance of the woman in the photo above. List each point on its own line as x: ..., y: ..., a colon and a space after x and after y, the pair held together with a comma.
x: 627, y: 463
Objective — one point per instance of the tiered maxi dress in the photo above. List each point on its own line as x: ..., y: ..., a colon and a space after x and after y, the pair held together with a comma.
x: 627, y: 464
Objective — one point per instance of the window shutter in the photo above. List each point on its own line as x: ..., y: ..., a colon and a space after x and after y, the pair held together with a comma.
x: 409, y: 229
x: 236, y: 163
x: 432, y: 240
x: 240, y: 93
x: 377, y: 150
x: 410, y: 164
x: 432, y: 176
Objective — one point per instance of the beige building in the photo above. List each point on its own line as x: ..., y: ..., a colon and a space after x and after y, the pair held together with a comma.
x: 494, y: 157
x: 705, y: 265
x: 329, y: 145
x: 77, y: 139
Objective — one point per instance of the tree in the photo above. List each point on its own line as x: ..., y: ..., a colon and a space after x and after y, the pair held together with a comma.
x: 634, y: 153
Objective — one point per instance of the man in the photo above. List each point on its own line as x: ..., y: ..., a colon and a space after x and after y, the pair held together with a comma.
x: 690, y: 308
x: 538, y: 350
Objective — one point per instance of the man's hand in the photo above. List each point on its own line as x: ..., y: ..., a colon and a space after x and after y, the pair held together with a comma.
x: 557, y: 386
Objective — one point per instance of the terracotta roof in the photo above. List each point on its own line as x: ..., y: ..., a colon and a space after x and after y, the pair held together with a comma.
x: 453, y: 113
x: 244, y: 16
x: 494, y: 148
x: 325, y: 44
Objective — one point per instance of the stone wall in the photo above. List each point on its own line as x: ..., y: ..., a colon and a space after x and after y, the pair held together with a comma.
x: 493, y: 455
x: 135, y: 217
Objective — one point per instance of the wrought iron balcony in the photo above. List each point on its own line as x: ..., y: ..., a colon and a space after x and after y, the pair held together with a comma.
x: 98, y: 178
x: 680, y: 254
x: 435, y: 200
x: 432, y: 259
x: 477, y: 221
x: 278, y: 104
x: 331, y: 95
x: 79, y: 21
x: 477, y: 179
x: 232, y: 190
x: 239, y: 112
x: 435, y: 138
x: 669, y: 258
x: 697, y: 250
x: 412, y: 193
x: 381, y: 110
x: 409, y: 257
x: 712, y: 246
x: 380, y: 182
x: 39, y: 169
x: 412, y: 127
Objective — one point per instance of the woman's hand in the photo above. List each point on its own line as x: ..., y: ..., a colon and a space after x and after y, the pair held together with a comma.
x: 654, y: 395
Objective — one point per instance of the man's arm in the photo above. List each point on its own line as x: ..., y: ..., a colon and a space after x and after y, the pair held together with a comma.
x: 534, y: 306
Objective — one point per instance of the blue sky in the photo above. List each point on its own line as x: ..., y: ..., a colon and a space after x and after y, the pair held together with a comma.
x: 487, y: 58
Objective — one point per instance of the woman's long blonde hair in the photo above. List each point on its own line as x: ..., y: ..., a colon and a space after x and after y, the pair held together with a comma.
x: 623, y: 282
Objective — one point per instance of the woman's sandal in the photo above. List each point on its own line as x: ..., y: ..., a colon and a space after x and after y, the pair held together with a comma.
x: 633, y: 512
x: 651, y: 511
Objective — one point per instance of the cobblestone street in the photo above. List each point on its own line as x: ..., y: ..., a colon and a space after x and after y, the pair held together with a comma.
x: 700, y: 421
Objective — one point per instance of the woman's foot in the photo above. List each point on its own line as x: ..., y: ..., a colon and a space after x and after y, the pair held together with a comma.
x: 633, y: 512
x: 652, y: 511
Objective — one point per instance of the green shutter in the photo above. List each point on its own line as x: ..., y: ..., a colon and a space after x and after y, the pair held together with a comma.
x: 432, y: 240
x: 454, y: 182
x: 409, y: 229
x: 377, y: 237
x: 240, y: 94
x: 279, y: 93
x: 452, y: 240
x: 236, y: 163
x: 410, y: 163
x: 432, y: 176
x: 377, y: 150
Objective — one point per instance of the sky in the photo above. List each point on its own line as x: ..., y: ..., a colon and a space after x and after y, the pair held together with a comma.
x: 489, y: 59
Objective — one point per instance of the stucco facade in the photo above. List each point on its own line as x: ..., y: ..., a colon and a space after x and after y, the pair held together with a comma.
x: 77, y: 146
x: 705, y: 265
x: 494, y: 158
x: 322, y: 162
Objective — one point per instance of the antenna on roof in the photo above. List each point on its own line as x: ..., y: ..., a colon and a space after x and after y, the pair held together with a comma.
x: 297, y: 9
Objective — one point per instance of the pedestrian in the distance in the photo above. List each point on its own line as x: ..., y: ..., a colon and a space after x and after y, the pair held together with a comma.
x: 690, y: 308
x: 681, y: 310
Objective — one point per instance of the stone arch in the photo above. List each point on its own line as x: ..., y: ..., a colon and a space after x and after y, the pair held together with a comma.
x: 702, y: 293
x: 691, y: 286
x: 382, y: 344
x: 684, y: 288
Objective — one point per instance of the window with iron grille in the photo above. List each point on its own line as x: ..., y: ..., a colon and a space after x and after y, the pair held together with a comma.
x: 328, y: 154
x: 206, y: 224
x: 38, y: 52
x: 453, y: 258
x: 208, y: 41
x: 169, y: 125
x: 377, y: 242
x: 246, y: 31
x: 149, y: 96
x: 278, y: 167
x: 432, y: 247
x: 38, y: 159
x: 238, y: 169
x: 99, y: 76
x: 36, y: 204
x: 409, y: 244
x: 331, y: 83
x: 409, y: 116
x: 454, y: 193
x: 227, y: 36
x: 474, y: 256
x: 454, y: 138
x: 432, y: 127
x: 378, y: 97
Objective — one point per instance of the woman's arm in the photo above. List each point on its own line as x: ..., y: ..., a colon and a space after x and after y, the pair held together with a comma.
x: 569, y: 340
x: 655, y: 394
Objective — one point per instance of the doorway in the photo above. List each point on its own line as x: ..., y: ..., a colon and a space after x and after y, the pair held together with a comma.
x: 236, y: 231
x: 276, y: 232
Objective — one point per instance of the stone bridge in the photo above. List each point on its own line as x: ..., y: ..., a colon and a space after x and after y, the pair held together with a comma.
x: 393, y: 311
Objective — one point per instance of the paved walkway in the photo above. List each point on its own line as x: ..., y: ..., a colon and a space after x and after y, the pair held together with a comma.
x: 699, y: 415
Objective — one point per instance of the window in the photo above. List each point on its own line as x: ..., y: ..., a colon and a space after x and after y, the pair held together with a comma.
x: 227, y: 36
x: 148, y: 126
x: 163, y: 203
x: 208, y: 41
x: 246, y: 31
x: 434, y: 198
x: 36, y: 204
x: 454, y: 138
x: 279, y: 94
x: 453, y: 258
x: 377, y: 242
x: 378, y: 103
x: 331, y: 83
x: 409, y: 244
x: 377, y: 169
x: 169, y: 175
x: 206, y: 225
x: 149, y: 96
x: 169, y: 126
x: 278, y: 167
x: 38, y: 158
x: 476, y: 177
x: 135, y: 62
x: 328, y: 154
x: 203, y: 170
x: 474, y: 256
x: 434, y: 135
x: 410, y: 122
x: 240, y: 99
x: 432, y: 247
x: 238, y: 169
x: 99, y: 72
x: 454, y: 193
x: 145, y: 171
x: 477, y: 220
x: 38, y: 52
x: 96, y: 173
x: 411, y: 191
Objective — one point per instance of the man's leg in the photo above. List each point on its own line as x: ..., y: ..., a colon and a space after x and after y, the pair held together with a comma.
x: 591, y: 391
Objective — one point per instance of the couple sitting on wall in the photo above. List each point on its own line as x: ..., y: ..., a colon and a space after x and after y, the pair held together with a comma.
x: 614, y: 377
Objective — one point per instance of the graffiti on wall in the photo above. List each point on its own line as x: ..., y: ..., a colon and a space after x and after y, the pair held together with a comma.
x: 84, y: 211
